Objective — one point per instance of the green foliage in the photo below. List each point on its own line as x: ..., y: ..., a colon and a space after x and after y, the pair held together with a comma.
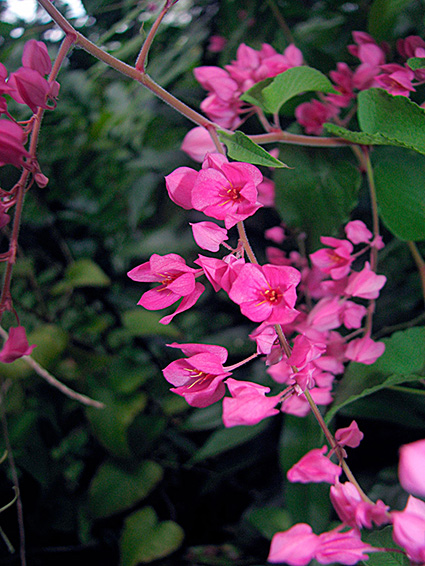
x: 144, y: 539
x: 383, y: 16
x: 318, y: 192
x: 241, y: 148
x: 272, y: 94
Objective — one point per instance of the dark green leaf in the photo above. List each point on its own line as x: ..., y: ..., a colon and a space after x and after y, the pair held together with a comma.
x: 383, y: 539
x: 402, y: 361
x: 144, y: 539
x: 318, y: 194
x: 383, y: 15
x: 226, y: 439
x: 361, y: 138
x: 400, y: 188
x: 241, y: 148
x: 272, y: 94
x: 114, y: 489
x: 82, y: 273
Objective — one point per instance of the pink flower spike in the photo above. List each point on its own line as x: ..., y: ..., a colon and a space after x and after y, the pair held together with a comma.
x: 349, y: 436
x: 314, y: 467
x: 197, y: 143
x: 208, y: 235
x: 411, y: 469
x: 266, y: 293
x: 342, y: 547
x: 15, y: 346
x: 248, y: 404
x: 364, y: 350
x: 36, y: 56
x: 12, y: 148
x: 409, y: 529
x: 29, y: 88
x: 296, y: 546
x: 357, y: 232
x: 179, y: 185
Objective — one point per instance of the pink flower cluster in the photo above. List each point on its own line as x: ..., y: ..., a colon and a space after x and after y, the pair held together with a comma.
x: 299, y: 545
x: 28, y: 85
x: 225, y: 86
x: 373, y: 71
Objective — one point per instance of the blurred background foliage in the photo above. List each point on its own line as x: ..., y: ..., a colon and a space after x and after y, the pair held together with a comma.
x: 148, y: 478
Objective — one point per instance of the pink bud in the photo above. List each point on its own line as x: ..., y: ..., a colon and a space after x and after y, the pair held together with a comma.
x: 208, y: 235
x: 412, y: 467
x: 15, y: 346
x: 197, y: 143
x: 12, y: 139
x: 37, y: 57
x: 350, y: 436
x: 314, y: 467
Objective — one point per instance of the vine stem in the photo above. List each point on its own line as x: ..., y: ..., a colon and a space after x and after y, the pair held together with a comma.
x: 420, y: 264
x: 141, y: 58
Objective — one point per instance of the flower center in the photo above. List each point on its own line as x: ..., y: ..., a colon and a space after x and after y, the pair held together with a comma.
x: 230, y: 194
x: 272, y: 295
x: 199, y: 377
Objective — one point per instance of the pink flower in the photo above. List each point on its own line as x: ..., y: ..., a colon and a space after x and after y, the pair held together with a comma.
x: 221, y: 273
x: 409, y: 529
x: 265, y: 337
x: 326, y: 314
x: 397, y: 80
x: 355, y: 512
x: 357, y: 232
x: 353, y: 314
x: 296, y: 546
x: 248, y: 404
x: 411, y: 469
x: 343, y: 79
x: 177, y: 281
x: 365, y: 284
x: 305, y: 351
x: 349, y: 436
x: 312, y: 115
x: 364, y: 350
x: 228, y: 192
x: 15, y: 346
x: 197, y: 143
x: 208, y: 235
x: 342, y: 547
x: 314, y: 467
x: 275, y: 234
x: 29, y: 88
x: 335, y: 261
x: 217, y: 43
x: 12, y: 138
x: 199, y: 378
x: 266, y: 293
x: 179, y: 185
x: 36, y: 56
x: 266, y: 193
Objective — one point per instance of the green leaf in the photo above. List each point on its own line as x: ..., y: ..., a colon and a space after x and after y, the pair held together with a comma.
x: 226, y: 439
x: 241, y: 148
x: 82, y: 273
x: 400, y: 189
x: 397, y: 118
x: 361, y: 138
x: 141, y: 322
x: 416, y: 63
x: 382, y: 18
x: 144, y: 539
x: 110, y: 425
x: 114, y: 489
x: 402, y: 361
x: 270, y: 95
x: 383, y: 539
x: 269, y: 520
x: 318, y: 194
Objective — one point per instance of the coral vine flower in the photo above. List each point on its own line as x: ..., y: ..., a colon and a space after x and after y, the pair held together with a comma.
x: 208, y: 235
x: 228, y: 192
x: 364, y: 350
x: 199, y: 378
x: 412, y: 466
x: 365, y: 284
x: 409, y: 529
x: 177, y: 280
x: 15, y: 346
x: 266, y: 293
x: 12, y: 148
x: 248, y: 404
x: 314, y: 467
x: 349, y: 436
x: 335, y: 261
